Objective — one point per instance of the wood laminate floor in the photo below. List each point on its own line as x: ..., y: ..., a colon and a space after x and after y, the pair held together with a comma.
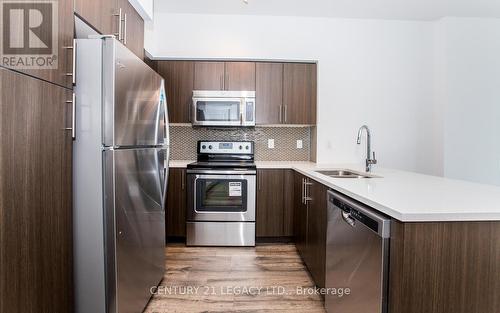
x: 267, y: 278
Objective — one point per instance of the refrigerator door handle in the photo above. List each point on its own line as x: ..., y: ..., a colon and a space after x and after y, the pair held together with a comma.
x: 166, y: 176
x: 162, y: 161
x: 162, y: 115
x: 165, y: 116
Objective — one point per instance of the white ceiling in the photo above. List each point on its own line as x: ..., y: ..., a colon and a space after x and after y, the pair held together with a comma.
x: 378, y: 9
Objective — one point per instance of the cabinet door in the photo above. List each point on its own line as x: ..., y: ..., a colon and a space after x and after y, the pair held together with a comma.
x: 133, y: 28
x: 100, y: 14
x: 62, y: 70
x: 288, y: 203
x: 269, y: 215
x: 269, y: 93
x: 209, y: 76
x: 316, y: 232
x: 175, y: 211
x: 35, y: 195
x: 239, y: 76
x: 179, y: 79
x: 300, y: 215
x: 299, y: 93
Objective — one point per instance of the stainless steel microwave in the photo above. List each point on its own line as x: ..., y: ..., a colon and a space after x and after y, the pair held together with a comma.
x: 223, y: 108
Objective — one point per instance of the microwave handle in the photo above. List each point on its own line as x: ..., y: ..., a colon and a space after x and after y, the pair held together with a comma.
x: 242, y: 109
x: 190, y: 119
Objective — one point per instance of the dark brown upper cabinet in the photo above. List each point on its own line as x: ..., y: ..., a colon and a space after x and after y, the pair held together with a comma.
x: 62, y: 71
x: 102, y: 15
x: 179, y: 80
x: 209, y: 76
x: 239, y: 76
x: 224, y: 76
x: 299, y: 93
x: 114, y: 17
x: 285, y: 92
x: 132, y: 28
x: 269, y: 93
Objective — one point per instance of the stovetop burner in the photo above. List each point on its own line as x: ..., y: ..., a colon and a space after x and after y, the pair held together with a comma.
x: 224, y: 155
x: 222, y: 165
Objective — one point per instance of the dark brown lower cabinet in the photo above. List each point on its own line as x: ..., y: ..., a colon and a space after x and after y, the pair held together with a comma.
x: 300, y: 215
x: 316, y: 231
x: 176, y: 203
x: 274, y: 205
x: 288, y: 203
x: 310, y: 225
x: 35, y: 196
x: 446, y: 267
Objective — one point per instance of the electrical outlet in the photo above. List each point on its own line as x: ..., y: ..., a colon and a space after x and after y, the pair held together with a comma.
x: 299, y: 144
x: 270, y: 143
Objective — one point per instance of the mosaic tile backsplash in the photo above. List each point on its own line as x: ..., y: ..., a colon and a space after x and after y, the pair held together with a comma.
x: 183, y: 140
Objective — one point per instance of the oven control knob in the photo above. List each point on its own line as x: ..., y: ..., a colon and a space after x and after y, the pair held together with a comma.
x: 241, y: 147
x: 210, y: 147
x: 247, y: 147
x: 203, y: 147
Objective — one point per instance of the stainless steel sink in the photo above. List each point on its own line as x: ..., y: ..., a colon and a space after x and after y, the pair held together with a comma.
x: 344, y: 173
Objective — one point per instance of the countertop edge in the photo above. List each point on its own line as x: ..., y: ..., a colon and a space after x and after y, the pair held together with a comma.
x: 413, y: 217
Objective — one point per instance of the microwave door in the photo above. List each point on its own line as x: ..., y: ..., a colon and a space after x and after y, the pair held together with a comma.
x: 217, y: 112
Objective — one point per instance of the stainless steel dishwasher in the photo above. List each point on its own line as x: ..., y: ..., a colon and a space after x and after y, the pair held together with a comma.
x: 357, y: 257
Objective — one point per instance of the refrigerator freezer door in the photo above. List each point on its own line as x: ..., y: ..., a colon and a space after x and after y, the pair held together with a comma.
x: 140, y: 225
x: 135, y: 113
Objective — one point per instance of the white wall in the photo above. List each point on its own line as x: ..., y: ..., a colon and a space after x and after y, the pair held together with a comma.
x: 369, y: 71
x: 469, y: 71
x: 144, y: 8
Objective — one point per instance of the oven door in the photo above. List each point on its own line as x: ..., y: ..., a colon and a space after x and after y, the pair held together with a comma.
x: 221, y: 197
x: 218, y: 112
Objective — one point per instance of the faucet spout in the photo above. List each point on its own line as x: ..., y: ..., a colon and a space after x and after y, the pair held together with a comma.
x: 369, y: 160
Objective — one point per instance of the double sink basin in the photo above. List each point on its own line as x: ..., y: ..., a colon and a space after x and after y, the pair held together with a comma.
x: 345, y: 173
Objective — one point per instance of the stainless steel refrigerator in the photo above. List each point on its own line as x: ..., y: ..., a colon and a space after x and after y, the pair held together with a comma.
x: 120, y: 169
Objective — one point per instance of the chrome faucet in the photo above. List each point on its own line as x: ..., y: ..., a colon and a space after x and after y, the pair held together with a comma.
x: 369, y: 161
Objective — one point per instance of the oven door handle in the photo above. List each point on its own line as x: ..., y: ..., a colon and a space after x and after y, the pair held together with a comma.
x: 219, y: 172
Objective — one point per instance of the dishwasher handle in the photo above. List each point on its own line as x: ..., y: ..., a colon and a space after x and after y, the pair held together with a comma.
x: 348, y: 219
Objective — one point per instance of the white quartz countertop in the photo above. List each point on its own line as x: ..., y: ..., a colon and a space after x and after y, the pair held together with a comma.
x: 405, y: 196
x: 179, y: 163
x: 412, y: 197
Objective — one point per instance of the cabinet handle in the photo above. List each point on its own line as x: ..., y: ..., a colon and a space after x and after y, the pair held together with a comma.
x: 119, y: 34
x: 221, y: 82
x: 125, y: 29
x: 73, y: 117
x: 303, y: 191
x: 281, y: 114
x: 306, y: 190
x: 285, y: 112
x: 73, y: 62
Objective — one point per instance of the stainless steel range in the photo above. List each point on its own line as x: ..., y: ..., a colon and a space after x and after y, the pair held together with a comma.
x: 221, y: 195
